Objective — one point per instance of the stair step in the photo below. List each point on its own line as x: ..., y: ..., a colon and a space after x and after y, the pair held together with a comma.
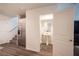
x: 14, y: 38
x: 13, y: 41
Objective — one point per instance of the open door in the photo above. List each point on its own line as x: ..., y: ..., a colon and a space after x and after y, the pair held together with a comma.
x: 32, y: 31
x: 63, y: 33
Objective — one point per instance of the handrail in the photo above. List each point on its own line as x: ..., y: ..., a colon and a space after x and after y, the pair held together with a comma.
x: 13, y: 29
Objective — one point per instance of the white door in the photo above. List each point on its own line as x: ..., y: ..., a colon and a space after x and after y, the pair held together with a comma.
x: 32, y: 31
x: 63, y: 33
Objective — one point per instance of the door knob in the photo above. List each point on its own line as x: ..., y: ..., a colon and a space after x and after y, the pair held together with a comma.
x: 70, y: 40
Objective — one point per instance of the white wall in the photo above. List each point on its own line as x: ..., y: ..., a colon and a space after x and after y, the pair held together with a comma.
x: 6, y: 26
x: 33, y: 27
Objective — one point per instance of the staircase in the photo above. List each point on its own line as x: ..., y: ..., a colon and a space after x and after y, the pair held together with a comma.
x: 18, y: 41
x: 21, y: 41
x: 14, y: 40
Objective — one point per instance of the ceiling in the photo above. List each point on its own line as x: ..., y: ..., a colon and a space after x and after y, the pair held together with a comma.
x: 12, y: 9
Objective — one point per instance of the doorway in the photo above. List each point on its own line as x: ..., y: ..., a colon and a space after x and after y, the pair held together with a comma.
x: 76, y: 37
x: 46, y: 30
x: 22, y: 32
